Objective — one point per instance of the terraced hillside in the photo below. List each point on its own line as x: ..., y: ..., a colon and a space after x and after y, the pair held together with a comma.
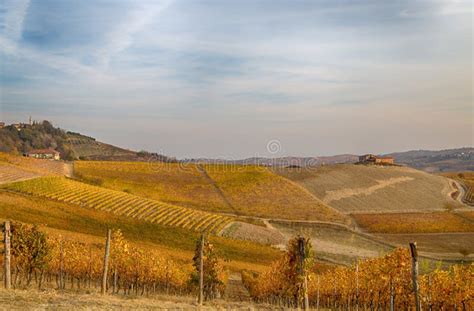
x: 167, y: 182
x: 120, y: 203
x: 374, y: 189
x: 86, y: 147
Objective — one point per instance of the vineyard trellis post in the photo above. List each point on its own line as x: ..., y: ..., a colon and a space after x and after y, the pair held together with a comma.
x: 106, y: 262
x: 392, y: 296
x: 201, y: 271
x: 7, y: 255
x: 357, y: 284
x: 61, y: 263
x: 317, y: 295
x: 414, y: 274
x: 302, y: 251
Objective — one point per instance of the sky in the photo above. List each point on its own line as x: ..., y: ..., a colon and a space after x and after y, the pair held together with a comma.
x: 225, y: 79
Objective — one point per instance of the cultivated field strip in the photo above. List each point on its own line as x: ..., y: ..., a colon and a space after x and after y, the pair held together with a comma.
x: 120, y: 203
x: 10, y: 173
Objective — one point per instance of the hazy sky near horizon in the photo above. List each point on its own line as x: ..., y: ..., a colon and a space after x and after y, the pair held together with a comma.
x: 223, y: 78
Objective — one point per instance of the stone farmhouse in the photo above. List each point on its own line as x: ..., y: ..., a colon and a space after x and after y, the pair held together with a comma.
x: 373, y: 159
x: 49, y: 154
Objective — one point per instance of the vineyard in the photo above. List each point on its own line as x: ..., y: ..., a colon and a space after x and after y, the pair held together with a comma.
x: 376, y: 284
x: 239, y: 189
x: 166, y: 182
x: 414, y: 222
x: 120, y: 203
x: 257, y: 191
x: 467, y: 181
x: 55, y: 262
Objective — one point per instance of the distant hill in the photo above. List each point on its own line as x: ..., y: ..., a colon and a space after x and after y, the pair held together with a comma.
x: 448, y: 160
x: 282, y: 161
x: 22, y: 138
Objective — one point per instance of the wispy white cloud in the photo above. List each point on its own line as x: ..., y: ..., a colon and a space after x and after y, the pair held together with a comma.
x: 14, y: 12
x: 294, y: 71
x: 441, y: 8
x: 122, y: 36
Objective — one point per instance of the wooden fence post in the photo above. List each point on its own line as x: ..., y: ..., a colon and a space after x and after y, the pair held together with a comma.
x: 201, y: 271
x: 302, y: 251
x: 7, y: 278
x: 414, y: 274
x: 106, y: 263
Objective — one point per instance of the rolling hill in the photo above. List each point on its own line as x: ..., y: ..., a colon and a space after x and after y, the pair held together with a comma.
x: 22, y: 138
x: 240, y: 190
x: 374, y: 189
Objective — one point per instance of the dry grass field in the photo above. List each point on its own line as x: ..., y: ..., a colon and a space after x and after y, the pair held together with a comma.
x: 414, y: 222
x: 82, y: 300
x: 373, y: 189
x: 257, y: 191
x: 166, y: 182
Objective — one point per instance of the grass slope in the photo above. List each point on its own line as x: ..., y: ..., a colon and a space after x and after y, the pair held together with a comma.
x: 373, y: 189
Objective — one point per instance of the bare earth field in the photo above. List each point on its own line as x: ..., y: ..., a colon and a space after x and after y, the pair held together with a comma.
x: 373, y: 189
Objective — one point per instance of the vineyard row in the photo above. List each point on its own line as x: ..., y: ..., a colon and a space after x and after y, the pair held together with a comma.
x: 121, y: 203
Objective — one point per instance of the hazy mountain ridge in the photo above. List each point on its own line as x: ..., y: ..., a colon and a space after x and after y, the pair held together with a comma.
x: 459, y: 159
